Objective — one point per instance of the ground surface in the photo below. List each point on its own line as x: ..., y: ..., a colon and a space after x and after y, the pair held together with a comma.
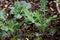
x: 35, y: 6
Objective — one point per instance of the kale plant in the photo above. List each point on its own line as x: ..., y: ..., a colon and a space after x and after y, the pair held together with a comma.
x: 6, y: 26
x: 9, y: 26
x: 38, y: 20
x: 20, y: 10
x: 33, y: 17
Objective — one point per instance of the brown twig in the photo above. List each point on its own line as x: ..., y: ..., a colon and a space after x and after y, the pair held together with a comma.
x: 57, y: 5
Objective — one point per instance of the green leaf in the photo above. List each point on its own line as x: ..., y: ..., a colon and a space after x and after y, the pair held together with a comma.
x: 39, y: 38
x: 27, y: 5
x: 18, y: 16
x: 43, y: 2
x: 58, y: 1
x: 11, y: 30
x: 3, y: 34
x: 54, y: 17
x: 13, y: 38
x: 2, y: 15
x: 4, y: 28
x: 48, y: 21
x: 52, y: 31
x: 10, y: 24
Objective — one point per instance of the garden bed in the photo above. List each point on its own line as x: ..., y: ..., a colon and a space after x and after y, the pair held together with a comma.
x: 29, y: 20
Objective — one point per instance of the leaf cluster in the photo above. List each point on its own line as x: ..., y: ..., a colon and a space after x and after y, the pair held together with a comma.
x: 20, y: 10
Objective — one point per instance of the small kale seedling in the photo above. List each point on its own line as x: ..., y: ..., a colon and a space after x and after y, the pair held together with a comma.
x: 19, y: 7
x: 38, y: 20
x: 33, y: 17
x: 5, y: 24
x: 43, y: 5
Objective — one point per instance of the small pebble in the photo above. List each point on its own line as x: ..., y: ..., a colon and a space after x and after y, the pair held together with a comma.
x: 6, y: 6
